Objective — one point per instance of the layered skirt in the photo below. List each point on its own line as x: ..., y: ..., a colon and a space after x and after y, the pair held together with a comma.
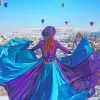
x: 26, y: 77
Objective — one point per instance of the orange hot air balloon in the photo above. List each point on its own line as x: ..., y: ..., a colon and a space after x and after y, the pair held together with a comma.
x: 62, y: 4
x: 91, y: 23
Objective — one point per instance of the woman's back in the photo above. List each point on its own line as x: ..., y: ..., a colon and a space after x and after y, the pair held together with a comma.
x: 48, y: 55
x: 52, y: 53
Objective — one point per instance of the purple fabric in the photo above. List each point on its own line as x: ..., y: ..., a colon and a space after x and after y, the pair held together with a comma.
x: 81, y: 77
x: 53, y: 52
x: 22, y: 87
x: 49, y: 32
x: 59, y: 46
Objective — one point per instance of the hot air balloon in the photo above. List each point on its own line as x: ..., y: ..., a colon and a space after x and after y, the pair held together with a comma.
x: 66, y: 22
x: 42, y: 20
x: 6, y: 5
x: 62, y: 4
x: 0, y: 2
x: 91, y: 23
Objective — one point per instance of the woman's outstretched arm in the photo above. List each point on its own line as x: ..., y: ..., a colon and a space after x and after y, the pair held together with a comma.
x: 58, y: 45
x: 36, y: 47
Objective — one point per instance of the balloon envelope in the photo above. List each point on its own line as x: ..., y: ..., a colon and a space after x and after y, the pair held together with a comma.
x: 66, y: 22
x: 91, y: 23
x: 62, y: 4
x: 0, y: 2
x: 6, y: 4
x: 42, y: 20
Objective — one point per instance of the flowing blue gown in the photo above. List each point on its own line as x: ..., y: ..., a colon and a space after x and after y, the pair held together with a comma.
x: 26, y: 77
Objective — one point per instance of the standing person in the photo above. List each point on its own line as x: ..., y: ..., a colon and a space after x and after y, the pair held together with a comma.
x: 48, y: 78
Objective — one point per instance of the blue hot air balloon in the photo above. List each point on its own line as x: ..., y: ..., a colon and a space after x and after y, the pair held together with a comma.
x: 91, y: 23
x: 42, y: 20
x: 66, y: 22
x: 62, y: 4
x: 5, y: 5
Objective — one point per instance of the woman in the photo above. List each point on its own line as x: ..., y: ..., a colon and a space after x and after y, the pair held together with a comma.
x: 48, y: 78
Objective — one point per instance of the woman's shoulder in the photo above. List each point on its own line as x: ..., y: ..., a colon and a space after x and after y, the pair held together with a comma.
x: 56, y: 41
x: 41, y: 41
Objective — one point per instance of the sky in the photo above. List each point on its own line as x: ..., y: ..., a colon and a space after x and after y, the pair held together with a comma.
x: 24, y: 14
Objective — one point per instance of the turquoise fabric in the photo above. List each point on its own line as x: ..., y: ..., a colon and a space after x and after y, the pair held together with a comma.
x: 53, y: 86
x: 14, y: 60
x: 15, y: 45
x: 83, y: 51
x: 17, y: 60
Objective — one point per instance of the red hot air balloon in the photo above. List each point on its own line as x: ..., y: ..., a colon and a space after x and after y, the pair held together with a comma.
x: 91, y: 23
x: 62, y: 4
x: 0, y: 2
x: 66, y: 22
x: 42, y: 20
x: 6, y: 5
